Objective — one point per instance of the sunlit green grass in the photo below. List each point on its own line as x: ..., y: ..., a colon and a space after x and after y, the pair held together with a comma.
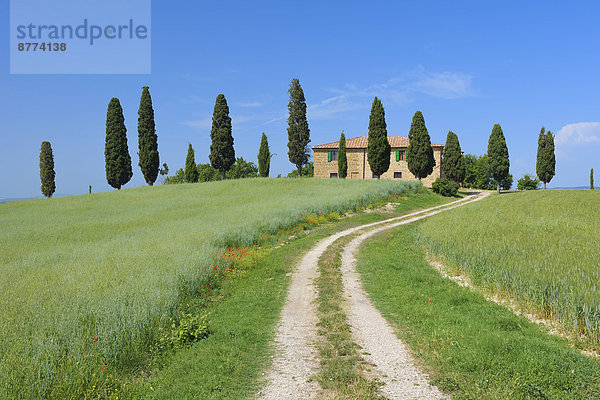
x: 111, y: 267
x: 470, y: 347
x: 540, y: 248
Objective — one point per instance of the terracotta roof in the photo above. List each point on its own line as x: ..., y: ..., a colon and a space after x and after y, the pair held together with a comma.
x: 360, y: 142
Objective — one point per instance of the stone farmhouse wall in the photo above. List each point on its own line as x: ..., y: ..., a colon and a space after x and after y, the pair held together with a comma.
x: 358, y: 165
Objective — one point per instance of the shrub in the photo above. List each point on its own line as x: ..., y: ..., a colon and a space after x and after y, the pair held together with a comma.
x: 445, y: 187
x: 189, y: 329
x: 528, y: 182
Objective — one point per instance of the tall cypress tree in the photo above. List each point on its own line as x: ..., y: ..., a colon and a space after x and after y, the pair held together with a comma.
x: 546, y: 161
x: 498, y: 162
x: 453, y: 164
x: 298, y: 132
x: 47, y: 174
x: 264, y: 157
x: 592, y: 179
x: 342, y: 161
x: 147, y: 139
x: 222, y: 154
x: 378, y: 147
x: 116, y: 152
x: 191, y: 169
x: 419, y: 154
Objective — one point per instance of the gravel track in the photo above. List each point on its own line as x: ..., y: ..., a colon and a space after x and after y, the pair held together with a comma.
x: 296, y: 359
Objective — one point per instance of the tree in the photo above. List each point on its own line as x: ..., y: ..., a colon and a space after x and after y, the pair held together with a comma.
x: 506, y: 183
x: 342, y: 161
x: 164, y: 170
x: 378, y: 147
x: 592, y: 179
x: 116, y: 152
x: 206, y: 173
x: 528, y: 182
x: 477, y: 174
x: 546, y: 161
x: 264, y: 157
x: 47, y: 174
x: 453, y: 164
x: 307, y: 171
x: 242, y: 169
x: 419, y: 154
x: 191, y: 171
x: 147, y: 139
x: 498, y: 162
x: 222, y: 154
x: 179, y: 177
x: 298, y: 132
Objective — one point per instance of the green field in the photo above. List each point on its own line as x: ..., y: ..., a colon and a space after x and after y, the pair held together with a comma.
x: 470, y: 347
x: 539, y: 248
x: 87, y: 281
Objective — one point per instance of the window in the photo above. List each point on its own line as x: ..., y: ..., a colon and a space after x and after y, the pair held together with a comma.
x: 333, y: 175
x: 400, y: 155
x: 397, y: 175
x: 332, y: 155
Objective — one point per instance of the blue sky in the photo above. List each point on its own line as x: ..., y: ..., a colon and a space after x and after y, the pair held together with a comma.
x: 465, y: 65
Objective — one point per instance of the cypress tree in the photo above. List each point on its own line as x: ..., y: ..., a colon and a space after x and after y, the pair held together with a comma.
x: 378, y: 147
x: 264, y: 157
x: 191, y: 170
x: 147, y: 139
x: 546, y: 161
x: 47, y: 174
x: 116, y: 152
x: 298, y: 132
x: 222, y: 154
x: 453, y: 164
x: 592, y: 179
x: 342, y: 161
x: 419, y: 154
x: 498, y: 162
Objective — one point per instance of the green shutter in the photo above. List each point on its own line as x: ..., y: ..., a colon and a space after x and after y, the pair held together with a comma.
x: 397, y: 155
x: 328, y: 156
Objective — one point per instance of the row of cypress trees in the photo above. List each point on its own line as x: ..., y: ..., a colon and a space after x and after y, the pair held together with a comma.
x: 116, y: 152
x: 419, y: 154
x: 222, y: 153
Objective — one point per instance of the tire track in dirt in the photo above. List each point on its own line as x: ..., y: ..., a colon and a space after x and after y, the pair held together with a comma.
x: 375, y: 335
x: 296, y: 359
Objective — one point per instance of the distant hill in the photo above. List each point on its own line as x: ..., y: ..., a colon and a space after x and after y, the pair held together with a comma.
x: 8, y: 199
x: 3, y: 200
x: 572, y: 187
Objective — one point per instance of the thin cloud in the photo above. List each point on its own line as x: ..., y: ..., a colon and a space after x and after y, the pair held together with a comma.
x: 398, y: 90
x: 252, y: 104
x: 445, y: 85
x: 579, y: 133
x: 204, y: 123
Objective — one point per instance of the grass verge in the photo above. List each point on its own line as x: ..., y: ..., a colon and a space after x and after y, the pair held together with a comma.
x: 89, y: 281
x: 472, y: 348
x: 232, y: 362
x: 538, y: 249
x: 343, y: 374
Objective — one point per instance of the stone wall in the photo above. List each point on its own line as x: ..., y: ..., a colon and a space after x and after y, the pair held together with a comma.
x: 358, y: 165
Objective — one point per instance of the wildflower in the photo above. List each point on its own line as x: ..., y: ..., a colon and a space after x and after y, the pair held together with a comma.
x: 95, y: 339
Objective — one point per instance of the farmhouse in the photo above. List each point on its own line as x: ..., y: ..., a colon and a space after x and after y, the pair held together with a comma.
x: 326, y: 166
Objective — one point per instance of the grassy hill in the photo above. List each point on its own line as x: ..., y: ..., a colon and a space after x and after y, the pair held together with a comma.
x: 539, y: 248
x: 88, y: 280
